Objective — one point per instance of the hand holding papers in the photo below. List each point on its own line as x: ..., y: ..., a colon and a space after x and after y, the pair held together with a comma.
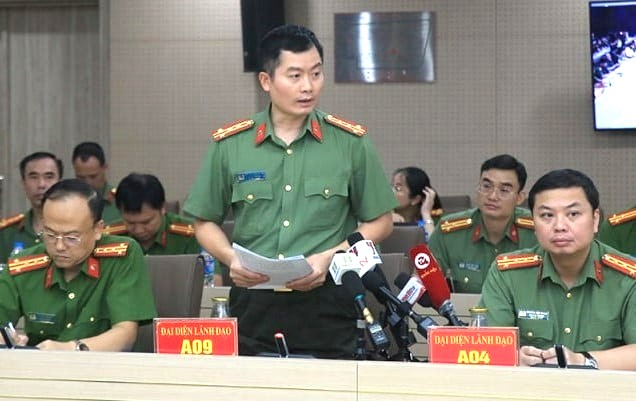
x: 279, y: 271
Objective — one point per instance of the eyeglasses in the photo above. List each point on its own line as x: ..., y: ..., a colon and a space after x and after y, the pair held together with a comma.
x: 51, y: 238
x: 486, y: 188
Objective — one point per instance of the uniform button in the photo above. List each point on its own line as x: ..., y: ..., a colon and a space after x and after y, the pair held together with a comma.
x: 326, y: 191
x: 71, y: 295
x: 599, y: 339
x: 289, y: 151
x: 287, y: 187
x: 41, y: 331
x: 249, y: 197
x: 69, y: 325
x: 568, y: 295
x: 281, y: 256
x: 92, y: 318
x: 465, y: 280
x: 37, y: 241
x: 567, y: 330
x: 530, y: 334
x: 286, y: 223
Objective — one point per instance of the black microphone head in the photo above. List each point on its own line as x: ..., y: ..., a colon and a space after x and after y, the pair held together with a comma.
x: 354, y: 237
x: 373, y: 281
x: 352, y: 282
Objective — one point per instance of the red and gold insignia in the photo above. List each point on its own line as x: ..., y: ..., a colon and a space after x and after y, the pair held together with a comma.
x: 261, y: 134
x: 93, y: 267
x: 514, y: 234
x: 621, y: 264
x: 183, y: 229
x: 231, y: 129
x: 449, y: 226
x: 476, y: 233
x: 598, y: 271
x: 115, y: 229
x: 115, y: 250
x: 9, y: 221
x: 525, y: 222
x: 315, y: 130
x: 349, y: 126
x: 28, y: 263
x: 622, y: 217
x: 437, y: 212
x: 509, y: 262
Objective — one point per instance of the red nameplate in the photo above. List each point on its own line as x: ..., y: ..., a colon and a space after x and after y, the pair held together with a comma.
x: 196, y: 336
x: 474, y: 346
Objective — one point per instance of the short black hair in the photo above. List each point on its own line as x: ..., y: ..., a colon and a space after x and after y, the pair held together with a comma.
x: 565, y: 178
x: 136, y: 189
x: 85, y: 150
x: 293, y: 38
x: 73, y: 186
x: 417, y: 180
x: 41, y: 155
x: 506, y: 162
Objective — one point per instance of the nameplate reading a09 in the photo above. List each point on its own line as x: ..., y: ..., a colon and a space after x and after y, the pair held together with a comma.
x: 474, y: 346
x: 196, y: 336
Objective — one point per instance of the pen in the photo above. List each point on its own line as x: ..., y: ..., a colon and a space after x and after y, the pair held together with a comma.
x: 12, y: 329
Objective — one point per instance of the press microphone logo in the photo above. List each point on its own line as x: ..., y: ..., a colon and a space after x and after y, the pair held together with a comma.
x: 422, y: 261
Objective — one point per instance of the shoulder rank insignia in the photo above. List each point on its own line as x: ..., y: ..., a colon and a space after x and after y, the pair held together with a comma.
x: 525, y: 222
x: 115, y: 250
x: 231, y: 129
x: 518, y: 261
x: 183, y: 229
x: 437, y: 212
x: 9, y: 221
x: 349, y: 126
x: 28, y: 263
x: 622, y: 217
x: 448, y: 226
x: 115, y: 229
x: 624, y: 265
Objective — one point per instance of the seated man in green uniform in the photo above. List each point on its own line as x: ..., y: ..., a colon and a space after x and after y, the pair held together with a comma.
x: 465, y: 243
x: 39, y: 171
x: 80, y: 289
x: 619, y: 231
x: 89, y: 163
x: 298, y: 182
x: 570, y: 289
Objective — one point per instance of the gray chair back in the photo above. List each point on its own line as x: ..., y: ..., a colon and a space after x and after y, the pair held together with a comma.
x: 402, y: 239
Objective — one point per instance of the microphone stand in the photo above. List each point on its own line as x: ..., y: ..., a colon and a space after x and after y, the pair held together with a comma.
x: 401, y: 334
x: 361, y: 341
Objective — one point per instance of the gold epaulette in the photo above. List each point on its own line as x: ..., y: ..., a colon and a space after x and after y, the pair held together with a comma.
x: 449, y: 226
x: 28, y: 263
x: 231, y: 129
x: 349, y: 126
x: 525, y: 222
x: 624, y: 265
x: 9, y: 221
x: 186, y: 230
x: 437, y: 212
x: 518, y: 261
x: 115, y: 229
x: 118, y: 249
x: 622, y: 217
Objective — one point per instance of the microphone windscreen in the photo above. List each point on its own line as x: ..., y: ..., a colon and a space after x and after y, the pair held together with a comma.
x: 353, y: 283
x: 372, y: 281
x: 354, y: 237
x: 430, y: 274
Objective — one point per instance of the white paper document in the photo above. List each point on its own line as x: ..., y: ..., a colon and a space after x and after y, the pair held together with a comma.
x: 279, y: 271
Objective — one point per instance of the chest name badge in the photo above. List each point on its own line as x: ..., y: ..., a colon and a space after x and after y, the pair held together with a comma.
x: 533, y: 315
x: 249, y: 176
x: 39, y: 317
x: 475, y: 267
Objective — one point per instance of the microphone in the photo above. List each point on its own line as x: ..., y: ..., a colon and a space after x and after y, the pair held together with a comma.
x: 341, y: 263
x: 433, y: 279
x: 352, y: 282
x: 365, y: 250
x: 412, y: 290
x: 376, y: 285
x: 281, y: 344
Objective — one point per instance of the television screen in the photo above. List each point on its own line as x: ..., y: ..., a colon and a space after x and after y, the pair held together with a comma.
x: 613, y: 56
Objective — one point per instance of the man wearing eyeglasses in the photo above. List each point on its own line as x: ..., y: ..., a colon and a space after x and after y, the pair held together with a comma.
x: 39, y: 171
x: 78, y: 290
x: 466, y: 243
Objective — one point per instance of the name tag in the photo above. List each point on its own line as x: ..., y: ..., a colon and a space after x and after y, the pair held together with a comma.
x: 533, y: 315
x: 470, y: 266
x: 196, y: 336
x: 249, y: 176
x: 474, y: 345
x: 39, y: 317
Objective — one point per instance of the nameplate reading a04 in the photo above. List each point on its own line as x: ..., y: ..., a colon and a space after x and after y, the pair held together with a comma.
x: 196, y: 336
x: 474, y: 346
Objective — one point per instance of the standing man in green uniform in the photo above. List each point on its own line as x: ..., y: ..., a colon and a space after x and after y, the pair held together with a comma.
x: 466, y: 243
x: 39, y: 171
x: 79, y: 290
x: 570, y: 289
x: 89, y: 163
x: 298, y: 181
x: 619, y: 231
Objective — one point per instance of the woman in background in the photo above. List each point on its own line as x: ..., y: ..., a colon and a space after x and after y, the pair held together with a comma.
x: 418, y: 202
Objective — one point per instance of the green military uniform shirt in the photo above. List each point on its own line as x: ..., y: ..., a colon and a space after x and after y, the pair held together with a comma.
x: 288, y: 200
x: 461, y: 246
x: 111, y: 214
x: 113, y: 286
x: 619, y: 231
x: 175, y: 237
x: 597, y: 313
x: 14, y: 229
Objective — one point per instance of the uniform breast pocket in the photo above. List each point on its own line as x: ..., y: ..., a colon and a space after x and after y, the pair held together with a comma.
x: 252, y: 199
x: 327, y: 198
x: 536, y: 332
x: 597, y: 335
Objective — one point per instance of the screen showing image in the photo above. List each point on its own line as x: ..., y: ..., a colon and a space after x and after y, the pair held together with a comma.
x: 613, y: 56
